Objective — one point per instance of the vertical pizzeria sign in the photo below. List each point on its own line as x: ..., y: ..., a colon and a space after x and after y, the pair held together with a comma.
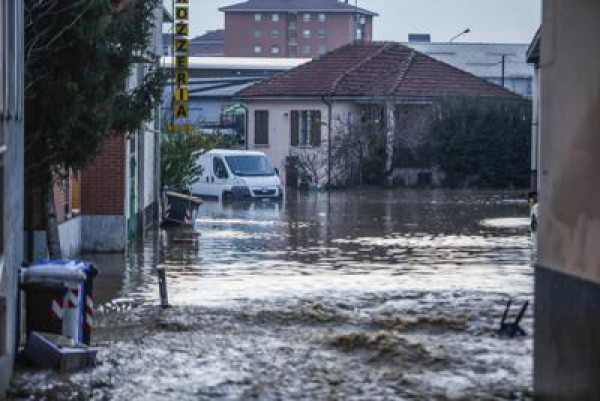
x: 181, y: 73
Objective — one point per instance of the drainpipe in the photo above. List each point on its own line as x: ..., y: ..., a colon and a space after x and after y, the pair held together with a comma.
x: 246, y: 119
x: 329, y: 119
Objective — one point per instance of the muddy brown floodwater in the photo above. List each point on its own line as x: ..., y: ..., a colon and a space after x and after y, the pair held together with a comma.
x: 353, y: 295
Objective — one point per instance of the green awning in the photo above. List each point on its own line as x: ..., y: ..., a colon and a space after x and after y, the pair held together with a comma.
x: 235, y: 109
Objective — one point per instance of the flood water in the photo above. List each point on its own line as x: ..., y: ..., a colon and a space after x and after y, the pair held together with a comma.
x: 352, y: 295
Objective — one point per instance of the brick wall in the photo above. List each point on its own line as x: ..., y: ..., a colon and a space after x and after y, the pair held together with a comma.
x: 240, y: 40
x: 103, y: 182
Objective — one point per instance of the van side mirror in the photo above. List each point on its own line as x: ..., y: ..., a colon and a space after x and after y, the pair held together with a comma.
x: 276, y: 171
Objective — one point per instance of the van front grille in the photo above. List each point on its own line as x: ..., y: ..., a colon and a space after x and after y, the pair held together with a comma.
x: 264, y: 192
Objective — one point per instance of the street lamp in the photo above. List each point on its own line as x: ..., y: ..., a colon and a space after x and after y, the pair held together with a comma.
x: 468, y: 30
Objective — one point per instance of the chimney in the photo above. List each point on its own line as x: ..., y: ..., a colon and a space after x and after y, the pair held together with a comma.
x: 419, y: 37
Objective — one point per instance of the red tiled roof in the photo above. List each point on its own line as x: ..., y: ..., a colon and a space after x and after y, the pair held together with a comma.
x: 373, y: 70
x: 333, y: 6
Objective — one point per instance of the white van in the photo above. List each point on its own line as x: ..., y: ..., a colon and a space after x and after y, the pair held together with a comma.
x: 237, y: 174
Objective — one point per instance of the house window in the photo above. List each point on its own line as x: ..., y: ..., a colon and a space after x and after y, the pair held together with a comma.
x: 359, y: 34
x: 306, y: 33
x: 322, y: 50
x: 322, y: 17
x: 275, y: 33
x: 322, y: 33
x: 306, y: 17
x: 307, y: 50
x: 257, y: 17
x: 305, y: 128
x: 275, y: 17
x: 261, y: 127
x: 257, y: 49
x: 257, y: 33
x: 275, y: 50
x: 292, y: 26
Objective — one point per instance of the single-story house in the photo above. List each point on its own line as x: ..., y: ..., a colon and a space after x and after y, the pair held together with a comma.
x: 306, y: 112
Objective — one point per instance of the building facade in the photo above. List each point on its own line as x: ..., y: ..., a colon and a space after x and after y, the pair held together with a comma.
x: 210, y: 44
x: 113, y: 199
x: 214, y: 82
x: 303, y: 115
x: 11, y: 179
x: 120, y: 191
x: 533, y: 58
x: 293, y: 28
x: 567, y: 274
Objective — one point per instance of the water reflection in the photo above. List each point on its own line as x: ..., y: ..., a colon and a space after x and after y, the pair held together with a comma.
x: 341, y: 244
x: 366, y: 294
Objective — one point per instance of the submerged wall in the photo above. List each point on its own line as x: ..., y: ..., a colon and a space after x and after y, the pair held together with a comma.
x: 567, y: 329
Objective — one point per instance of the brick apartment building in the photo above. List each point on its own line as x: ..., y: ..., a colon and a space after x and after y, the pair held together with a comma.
x: 210, y: 44
x: 293, y: 28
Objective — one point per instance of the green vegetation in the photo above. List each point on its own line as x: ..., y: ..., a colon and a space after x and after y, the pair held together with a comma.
x: 482, y: 143
x: 476, y: 142
x: 79, y: 56
x: 179, y: 152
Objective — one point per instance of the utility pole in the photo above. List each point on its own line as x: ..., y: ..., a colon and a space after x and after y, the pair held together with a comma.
x: 503, y: 61
x: 503, y: 69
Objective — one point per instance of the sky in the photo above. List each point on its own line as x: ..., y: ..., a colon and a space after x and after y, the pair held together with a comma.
x: 498, y: 21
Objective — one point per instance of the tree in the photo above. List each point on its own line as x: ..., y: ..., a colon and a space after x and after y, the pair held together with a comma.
x: 79, y: 55
x: 358, y: 153
x: 482, y: 143
x: 180, y: 151
x: 352, y: 146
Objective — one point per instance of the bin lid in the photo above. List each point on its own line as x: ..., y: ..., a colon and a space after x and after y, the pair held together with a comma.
x: 56, y: 270
x: 185, y: 197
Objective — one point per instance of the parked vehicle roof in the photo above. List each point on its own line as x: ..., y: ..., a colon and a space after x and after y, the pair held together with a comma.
x: 235, y: 152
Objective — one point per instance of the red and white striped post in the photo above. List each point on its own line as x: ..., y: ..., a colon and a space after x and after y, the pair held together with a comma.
x: 71, y: 312
x: 88, y: 318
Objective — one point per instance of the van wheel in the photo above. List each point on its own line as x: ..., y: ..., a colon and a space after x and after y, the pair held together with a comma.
x: 227, y: 197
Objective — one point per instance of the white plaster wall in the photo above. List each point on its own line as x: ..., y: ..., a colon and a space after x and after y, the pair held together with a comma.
x: 69, y: 233
x: 569, y: 230
x: 150, y: 129
x: 149, y: 159
x: 128, y: 182
x: 103, y: 234
x: 279, y: 124
x: 535, y: 125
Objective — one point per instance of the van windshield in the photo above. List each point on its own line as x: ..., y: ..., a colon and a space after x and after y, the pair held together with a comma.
x: 250, y: 166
